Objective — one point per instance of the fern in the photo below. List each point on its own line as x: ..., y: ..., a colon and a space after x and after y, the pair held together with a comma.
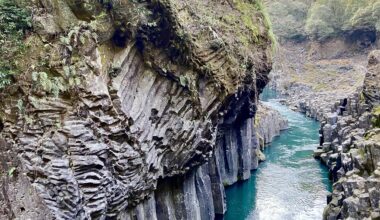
x: 53, y: 85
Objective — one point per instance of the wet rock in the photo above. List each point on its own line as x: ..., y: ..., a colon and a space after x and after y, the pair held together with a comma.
x: 318, y: 152
x: 326, y: 147
x: 332, y: 118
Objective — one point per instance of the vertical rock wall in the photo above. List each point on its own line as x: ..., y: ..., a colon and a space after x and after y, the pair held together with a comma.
x: 351, y: 150
x: 120, y: 102
x: 200, y: 194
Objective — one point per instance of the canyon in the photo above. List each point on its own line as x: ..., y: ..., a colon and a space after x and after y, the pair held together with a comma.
x: 340, y: 90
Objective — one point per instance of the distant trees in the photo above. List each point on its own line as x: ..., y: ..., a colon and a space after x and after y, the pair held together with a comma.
x: 321, y: 19
x: 289, y: 17
x: 329, y: 18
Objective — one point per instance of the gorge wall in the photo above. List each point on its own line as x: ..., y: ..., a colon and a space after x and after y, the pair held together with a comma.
x: 351, y: 150
x: 127, y: 109
x: 200, y: 193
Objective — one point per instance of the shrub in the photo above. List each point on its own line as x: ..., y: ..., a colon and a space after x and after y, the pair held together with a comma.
x: 321, y: 19
x: 14, y: 21
x: 328, y: 18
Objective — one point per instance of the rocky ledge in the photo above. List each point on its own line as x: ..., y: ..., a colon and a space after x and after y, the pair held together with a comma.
x: 121, y: 103
x: 351, y: 149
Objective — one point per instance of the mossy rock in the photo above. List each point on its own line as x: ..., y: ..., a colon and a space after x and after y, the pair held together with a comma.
x: 85, y: 10
x: 376, y: 117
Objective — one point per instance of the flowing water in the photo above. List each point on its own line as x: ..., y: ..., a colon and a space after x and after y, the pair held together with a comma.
x: 291, y: 184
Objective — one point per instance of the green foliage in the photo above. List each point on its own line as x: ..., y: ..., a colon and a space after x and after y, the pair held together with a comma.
x: 289, y: 17
x: 72, y: 76
x: 376, y: 117
x: 268, y: 23
x: 4, y: 78
x: 53, y: 85
x: 321, y: 19
x: 14, y: 21
x: 183, y: 81
x: 11, y: 171
x: 329, y: 18
x: 246, y: 9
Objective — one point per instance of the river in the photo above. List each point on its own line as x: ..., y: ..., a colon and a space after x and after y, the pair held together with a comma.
x: 290, y: 184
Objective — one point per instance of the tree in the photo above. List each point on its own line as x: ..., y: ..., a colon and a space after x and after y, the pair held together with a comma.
x: 14, y: 21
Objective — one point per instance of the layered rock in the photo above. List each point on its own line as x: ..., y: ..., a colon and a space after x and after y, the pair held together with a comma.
x: 352, y: 151
x: 241, y: 151
x: 269, y: 123
x: 200, y: 193
x: 19, y: 199
x: 127, y: 103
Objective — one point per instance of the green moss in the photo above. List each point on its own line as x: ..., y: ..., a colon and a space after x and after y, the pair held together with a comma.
x: 268, y: 23
x: 362, y: 97
x: 257, y: 120
x: 247, y: 10
x: 376, y: 110
x: 376, y: 117
x: 362, y: 153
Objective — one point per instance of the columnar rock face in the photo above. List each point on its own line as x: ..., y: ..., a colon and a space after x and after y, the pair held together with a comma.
x: 128, y: 101
x: 351, y: 150
x: 240, y: 151
x: 200, y: 193
x: 372, y: 80
x: 269, y: 123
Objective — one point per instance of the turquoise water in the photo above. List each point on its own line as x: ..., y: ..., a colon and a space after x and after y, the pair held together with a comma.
x: 290, y: 184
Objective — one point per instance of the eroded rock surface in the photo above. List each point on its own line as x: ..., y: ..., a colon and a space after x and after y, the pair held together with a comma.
x: 121, y: 102
x: 200, y: 193
x: 352, y: 151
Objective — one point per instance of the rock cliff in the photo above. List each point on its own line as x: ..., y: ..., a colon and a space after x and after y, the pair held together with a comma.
x: 120, y: 104
x: 269, y: 123
x: 200, y: 193
x: 351, y: 150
